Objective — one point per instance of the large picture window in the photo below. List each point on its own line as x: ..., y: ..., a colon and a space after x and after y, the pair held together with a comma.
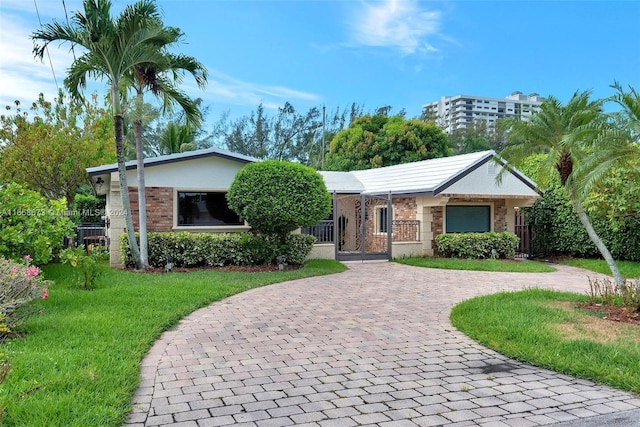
x: 205, y: 209
x: 466, y: 219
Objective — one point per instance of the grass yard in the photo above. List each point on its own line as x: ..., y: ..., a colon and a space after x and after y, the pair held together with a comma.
x: 78, y: 362
x: 479, y: 265
x: 545, y: 329
x: 628, y: 269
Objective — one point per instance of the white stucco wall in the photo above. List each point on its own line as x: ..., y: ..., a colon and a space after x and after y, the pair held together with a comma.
x: 482, y: 181
x: 201, y: 173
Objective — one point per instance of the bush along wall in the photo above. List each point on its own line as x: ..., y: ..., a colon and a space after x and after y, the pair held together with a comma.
x: 184, y: 249
x: 477, y: 245
x: 558, y: 231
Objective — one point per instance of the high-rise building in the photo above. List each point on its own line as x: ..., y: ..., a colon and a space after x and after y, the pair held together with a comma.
x: 459, y: 112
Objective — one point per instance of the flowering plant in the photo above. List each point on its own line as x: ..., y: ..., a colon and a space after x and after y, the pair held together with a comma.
x: 19, y: 284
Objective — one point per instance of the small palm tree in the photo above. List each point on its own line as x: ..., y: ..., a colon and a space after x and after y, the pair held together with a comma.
x: 113, y: 49
x: 160, y: 78
x: 565, y: 134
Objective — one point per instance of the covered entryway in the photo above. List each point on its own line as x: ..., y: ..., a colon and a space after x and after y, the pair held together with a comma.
x: 361, y: 224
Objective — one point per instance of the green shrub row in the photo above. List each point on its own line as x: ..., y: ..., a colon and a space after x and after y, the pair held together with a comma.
x: 558, y: 231
x: 477, y: 245
x: 186, y: 249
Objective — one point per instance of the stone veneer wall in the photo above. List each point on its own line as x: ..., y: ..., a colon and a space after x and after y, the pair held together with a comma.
x: 159, y: 208
x: 404, y: 208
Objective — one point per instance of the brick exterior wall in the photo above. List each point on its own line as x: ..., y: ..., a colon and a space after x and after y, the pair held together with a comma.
x: 437, y: 223
x: 403, y: 209
x: 159, y: 208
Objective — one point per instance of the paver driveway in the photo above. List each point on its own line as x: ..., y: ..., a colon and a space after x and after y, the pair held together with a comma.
x: 370, y: 346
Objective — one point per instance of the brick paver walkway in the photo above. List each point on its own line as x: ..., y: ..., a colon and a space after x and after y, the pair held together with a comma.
x: 371, y: 346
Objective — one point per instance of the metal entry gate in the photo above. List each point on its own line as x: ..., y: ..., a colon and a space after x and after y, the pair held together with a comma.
x: 363, y: 227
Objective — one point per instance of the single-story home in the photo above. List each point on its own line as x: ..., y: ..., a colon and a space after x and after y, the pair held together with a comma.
x: 414, y: 201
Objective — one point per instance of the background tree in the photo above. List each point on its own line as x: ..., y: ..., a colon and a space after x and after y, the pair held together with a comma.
x: 49, y: 147
x: 278, y: 197
x: 113, y: 48
x: 287, y: 135
x: 564, y: 134
x: 478, y: 136
x: 379, y: 140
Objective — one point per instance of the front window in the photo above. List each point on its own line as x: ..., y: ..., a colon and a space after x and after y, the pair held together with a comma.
x: 205, y: 209
x: 466, y: 219
x: 381, y: 219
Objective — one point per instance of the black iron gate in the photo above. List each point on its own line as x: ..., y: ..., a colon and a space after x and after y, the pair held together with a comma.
x: 523, y: 231
x: 363, y: 227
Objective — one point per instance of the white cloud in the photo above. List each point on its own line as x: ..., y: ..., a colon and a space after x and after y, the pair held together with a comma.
x: 22, y: 76
x: 399, y: 24
x: 222, y: 89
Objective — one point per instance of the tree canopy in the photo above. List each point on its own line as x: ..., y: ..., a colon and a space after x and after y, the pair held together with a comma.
x: 373, y: 141
x: 48, y: 148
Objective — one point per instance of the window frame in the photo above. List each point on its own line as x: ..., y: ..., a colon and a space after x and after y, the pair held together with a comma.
x: 195, y: 228
x: 490, y: 205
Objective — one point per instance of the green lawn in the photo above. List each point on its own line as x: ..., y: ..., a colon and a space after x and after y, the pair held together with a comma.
x: 543, y: 328
x: 628, y: 269
x: 78, y: 361
x: 479, y: 265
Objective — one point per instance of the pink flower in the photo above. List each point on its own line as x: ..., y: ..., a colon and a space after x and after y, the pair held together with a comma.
x: 14, y: 270
x: 45, y: 293
x: 27, y: 257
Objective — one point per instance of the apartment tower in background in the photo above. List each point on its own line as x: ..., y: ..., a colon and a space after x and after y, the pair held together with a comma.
x: 459, y: 112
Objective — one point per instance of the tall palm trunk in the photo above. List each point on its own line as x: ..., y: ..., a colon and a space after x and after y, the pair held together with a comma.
x: 142, y: 194
x: 591, y: 232
x: 124, y: 189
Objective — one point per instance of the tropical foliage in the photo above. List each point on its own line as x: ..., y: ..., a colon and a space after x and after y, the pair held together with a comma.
x: 564, y: 134
x: 31, y: 225
x: 47, y: 147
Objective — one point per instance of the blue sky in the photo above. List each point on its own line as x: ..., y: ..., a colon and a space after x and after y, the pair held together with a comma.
x: 402, y: 53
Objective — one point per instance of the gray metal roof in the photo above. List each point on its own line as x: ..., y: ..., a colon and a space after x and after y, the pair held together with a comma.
x: 170, y: 158
x: 427, y: 177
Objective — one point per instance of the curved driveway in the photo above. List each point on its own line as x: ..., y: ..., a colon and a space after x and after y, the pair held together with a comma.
x: 370, y: 346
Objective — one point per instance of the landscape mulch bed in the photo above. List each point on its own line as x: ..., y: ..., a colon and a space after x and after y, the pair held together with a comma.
x: 615, y: 313
x: 228, y: 268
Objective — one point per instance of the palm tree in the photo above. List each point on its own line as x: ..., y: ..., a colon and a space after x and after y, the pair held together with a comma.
x: 564, y: 133
x: 160, y: 78
x: 618, y: 144
x: 177, y: 138
x: 113, y: 49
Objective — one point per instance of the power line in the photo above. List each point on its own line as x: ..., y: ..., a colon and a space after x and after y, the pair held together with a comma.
x: 47, y: 48
x: 66, y: 16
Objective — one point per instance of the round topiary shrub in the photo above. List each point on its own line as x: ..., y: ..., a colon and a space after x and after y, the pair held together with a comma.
x: 277, y: 197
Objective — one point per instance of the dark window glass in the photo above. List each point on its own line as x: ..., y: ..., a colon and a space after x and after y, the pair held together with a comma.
x: 463, y: 219
x: 205, y: 209
x: 382, y: 220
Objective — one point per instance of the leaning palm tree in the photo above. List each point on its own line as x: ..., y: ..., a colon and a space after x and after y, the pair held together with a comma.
x: 160, y: 78
x: 564, y: 133
x: 113, y: 47
x: 616, y: 145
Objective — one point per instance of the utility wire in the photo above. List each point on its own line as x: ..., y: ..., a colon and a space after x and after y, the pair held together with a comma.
x: 47, y: 48
x: 66, y: 16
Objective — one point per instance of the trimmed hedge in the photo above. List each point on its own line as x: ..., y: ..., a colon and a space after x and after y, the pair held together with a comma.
x: 477, y: 245
x: 219, y: 249
x: 558, y: 231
